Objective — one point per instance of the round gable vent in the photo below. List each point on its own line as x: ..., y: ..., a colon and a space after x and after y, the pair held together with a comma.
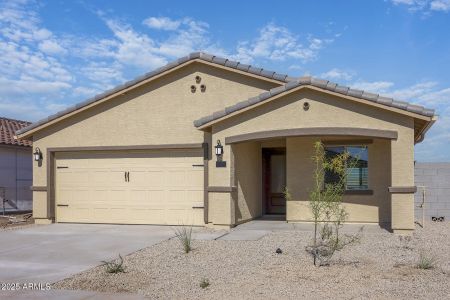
x: 306, y: 106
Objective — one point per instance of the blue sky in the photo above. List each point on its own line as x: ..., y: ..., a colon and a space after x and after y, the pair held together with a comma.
x: 56, y: 53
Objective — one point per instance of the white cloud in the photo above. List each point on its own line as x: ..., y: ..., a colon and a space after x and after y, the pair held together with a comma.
x: 51, y: 47
x: 192, y: 36
x: 103, y: 74
x: 424, y: 5
x: 162, y: 23
x: 278, y: 44
x: 440, y: 5
x: 440, y: 97
x: 374, y: 87
x: 38, y: 65
x: 337, y: 74
x: 26, y: 46
x: 425, y: 93
x: 415, y: 91
x: 135, y: 49
x: 31, y: 73
x: 83, y: 91
x: 407, y: 2
x: 24, y: 110
x: 30, y: 86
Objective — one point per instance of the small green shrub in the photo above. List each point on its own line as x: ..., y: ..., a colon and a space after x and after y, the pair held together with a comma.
x: 114, y: 266
x: 204, y: 283
x: 184, y: 235
x: 426, y: 262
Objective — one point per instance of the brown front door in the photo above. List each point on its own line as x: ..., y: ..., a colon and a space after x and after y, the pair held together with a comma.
x: 274, y: 180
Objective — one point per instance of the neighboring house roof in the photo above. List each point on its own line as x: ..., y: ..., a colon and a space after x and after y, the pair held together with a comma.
x: 251, y: 70
x: 322, y: 84
x: 8, y: 129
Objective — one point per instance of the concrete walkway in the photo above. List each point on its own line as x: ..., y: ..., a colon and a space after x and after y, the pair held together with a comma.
x: 256, y: 229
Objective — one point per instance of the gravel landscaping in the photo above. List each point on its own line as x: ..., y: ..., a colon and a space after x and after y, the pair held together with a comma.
x: 15, y: 221
x: 381, y: 266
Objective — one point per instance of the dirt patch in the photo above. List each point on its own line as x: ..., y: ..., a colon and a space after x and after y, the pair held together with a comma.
x: 382, y: 265
x: 16, y: 221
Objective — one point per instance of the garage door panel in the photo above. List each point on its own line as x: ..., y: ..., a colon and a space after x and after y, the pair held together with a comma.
x: 163, y: 187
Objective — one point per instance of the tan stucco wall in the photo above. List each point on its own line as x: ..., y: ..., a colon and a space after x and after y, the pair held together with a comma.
x: 402, y: 174
x: 247, y: 178
x: 221, y: 209
x: 331, y: 111
x: 361, y: 208
x: 325, y: 111
x: 161, y: 112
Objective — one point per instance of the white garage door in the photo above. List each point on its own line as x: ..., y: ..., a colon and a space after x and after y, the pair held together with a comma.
x: 130, y: 187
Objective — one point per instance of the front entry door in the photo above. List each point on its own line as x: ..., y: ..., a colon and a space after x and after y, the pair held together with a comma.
x: 274, y: 180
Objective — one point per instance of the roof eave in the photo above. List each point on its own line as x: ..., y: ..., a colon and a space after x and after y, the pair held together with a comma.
x: 421, y: 136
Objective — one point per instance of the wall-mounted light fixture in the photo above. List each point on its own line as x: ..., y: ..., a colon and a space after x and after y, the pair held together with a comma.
x: 219, y: 148
x: 219, y: 152
x: 198, y: 79
x: 193, y: 88
x: 37, y: 154
x: 203, y: 88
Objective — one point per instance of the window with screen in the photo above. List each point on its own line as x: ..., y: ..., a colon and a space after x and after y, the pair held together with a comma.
x: 357, y: 173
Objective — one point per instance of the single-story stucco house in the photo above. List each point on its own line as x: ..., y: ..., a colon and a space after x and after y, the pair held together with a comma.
x: 145, y: 152
x: 16, y: 168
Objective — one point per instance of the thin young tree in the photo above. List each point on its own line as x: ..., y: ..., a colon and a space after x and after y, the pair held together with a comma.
x: 325, y: 201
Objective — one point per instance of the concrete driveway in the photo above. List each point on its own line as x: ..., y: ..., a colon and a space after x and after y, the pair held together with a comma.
x: 49, y: 253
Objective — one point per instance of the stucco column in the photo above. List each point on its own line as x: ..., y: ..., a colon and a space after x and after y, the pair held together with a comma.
x: 402, y: 183
x: 221, y: 192
x: 42, y: 212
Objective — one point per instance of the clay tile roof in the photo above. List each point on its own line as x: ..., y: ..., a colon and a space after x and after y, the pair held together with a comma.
x: 8, y: 128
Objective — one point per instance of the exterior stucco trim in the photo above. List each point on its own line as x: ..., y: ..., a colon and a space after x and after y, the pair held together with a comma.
x: 38, y: 188
x: 347, y: 142
x: 402, y: 189
x: 313, y: 131
x: 19, y: 147
x: 221, y: 189
x: 130, y: 147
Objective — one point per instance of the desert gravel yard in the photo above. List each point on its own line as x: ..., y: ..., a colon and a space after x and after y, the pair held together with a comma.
x: 381, y: 266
